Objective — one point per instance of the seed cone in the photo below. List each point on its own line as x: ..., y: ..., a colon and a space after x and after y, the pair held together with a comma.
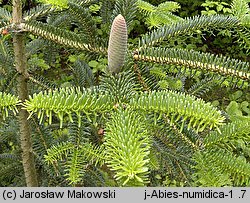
x: 117, y: 44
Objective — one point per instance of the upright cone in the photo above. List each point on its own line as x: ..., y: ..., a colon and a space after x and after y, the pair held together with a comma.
x: 117, y: 44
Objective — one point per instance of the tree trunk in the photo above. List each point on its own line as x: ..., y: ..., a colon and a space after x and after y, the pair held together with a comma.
x: 22, y: 88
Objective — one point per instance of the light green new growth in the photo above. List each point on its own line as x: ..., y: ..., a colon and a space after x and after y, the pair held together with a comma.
x: 240, y: 9
x: 66, y: 101
x: 239, y: 129
x: 56, y: 3
x: 127, y: 148
x: 159, y: 15
x: 8, y: 103
x: 178, y: 106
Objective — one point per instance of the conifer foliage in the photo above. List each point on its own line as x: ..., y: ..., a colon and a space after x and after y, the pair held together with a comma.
x: 135, y: 119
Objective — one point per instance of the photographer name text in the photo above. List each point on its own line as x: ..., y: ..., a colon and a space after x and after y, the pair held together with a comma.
x: 70, y: 194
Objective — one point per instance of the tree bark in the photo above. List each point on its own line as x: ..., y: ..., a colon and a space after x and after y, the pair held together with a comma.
x: 22, y: 88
